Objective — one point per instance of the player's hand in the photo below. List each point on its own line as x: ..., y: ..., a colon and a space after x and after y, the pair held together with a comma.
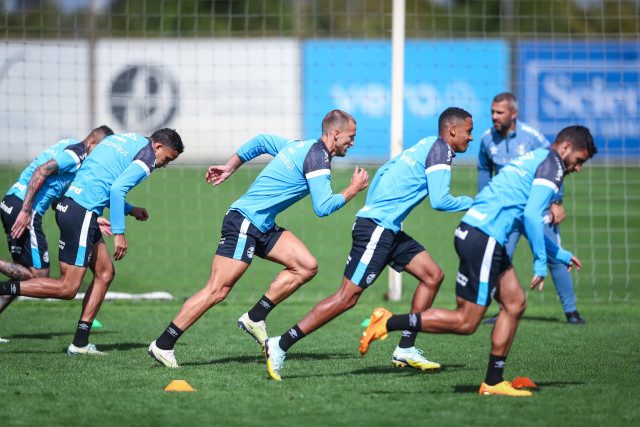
x: 537, y: 281
x: 119, y: 246
x: 217, y: 174
x: 22, y: 223
x: 140, y: 214
x: 557, y: 213
x: 575, y: 261
x: 105, y: 226
x: 359, y: 179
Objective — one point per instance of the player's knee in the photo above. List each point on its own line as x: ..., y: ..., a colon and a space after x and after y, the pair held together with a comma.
x: 106, y: 275
x: 68, y: 291
x: 437, y: 278
x: 308, y: 270
x: 468, y: 326
x: 218, y: 295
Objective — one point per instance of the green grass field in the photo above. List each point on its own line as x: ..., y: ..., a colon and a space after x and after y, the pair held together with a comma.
x: 586, y: 374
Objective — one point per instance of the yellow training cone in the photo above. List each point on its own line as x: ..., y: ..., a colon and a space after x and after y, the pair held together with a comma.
x: 179, y: 385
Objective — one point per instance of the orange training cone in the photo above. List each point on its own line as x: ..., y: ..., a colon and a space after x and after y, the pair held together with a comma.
x: 523, y: 382
x: 179, y: 385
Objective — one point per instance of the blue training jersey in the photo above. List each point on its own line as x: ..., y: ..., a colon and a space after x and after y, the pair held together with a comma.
x: 297, y: 169
x: 115, y: 166
x: 69, y: 155
x: 404, y: 181
x: 516, y: 198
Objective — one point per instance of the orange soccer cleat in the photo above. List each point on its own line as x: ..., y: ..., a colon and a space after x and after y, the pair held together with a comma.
x: 523, y: 382
x: 505, y: 388
x: 377, y: 329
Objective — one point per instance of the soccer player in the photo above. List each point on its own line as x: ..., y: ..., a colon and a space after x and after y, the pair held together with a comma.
x: 508, y: 139
x: 41, y: 183
x: 116, y: 165
x: 378, y: 240
x: 297, y: 169
x: 517, y: 196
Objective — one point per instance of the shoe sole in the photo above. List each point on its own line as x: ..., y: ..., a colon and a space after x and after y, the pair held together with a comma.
x: 270, y: 371
x: 244, y: 328
x: 403, y: 364
x: 161, y: 360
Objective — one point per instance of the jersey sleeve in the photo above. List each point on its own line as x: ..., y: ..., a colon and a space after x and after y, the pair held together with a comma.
x: 261, y: 144
x: 438, y: 171
x: 546, y: 183
x: 70, y: 159
x: 317, y: 172
x: 137, y: 171
x: 485, y: 167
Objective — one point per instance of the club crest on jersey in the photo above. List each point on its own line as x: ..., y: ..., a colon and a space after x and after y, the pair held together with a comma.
x: 521, y: 149
x: 493, y: 150
x: 250, y: 251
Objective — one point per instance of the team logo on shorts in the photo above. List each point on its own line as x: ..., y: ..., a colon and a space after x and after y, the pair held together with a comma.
x: 61, y: 244
x: 461, y: 279
x: 371, y: 278
x: 45, y: 256
x: 221, y: 241
x: 348, y: 259
x: 250, y: 251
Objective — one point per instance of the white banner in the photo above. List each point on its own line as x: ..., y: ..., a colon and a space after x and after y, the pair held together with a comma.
x: 216, y: 93
x: 44, y: 93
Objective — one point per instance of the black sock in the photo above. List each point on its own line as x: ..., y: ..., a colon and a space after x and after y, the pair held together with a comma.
x: 290, y: 337
x: 168, y: 339
x: 495, y: 369
x: 11, y: 287
x: 261, y: 309
x: 401, y: 322
x: 408, y: 339
x: 82, y: 334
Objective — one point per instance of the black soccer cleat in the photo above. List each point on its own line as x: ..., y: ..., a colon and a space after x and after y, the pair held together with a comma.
x: 574, y: 318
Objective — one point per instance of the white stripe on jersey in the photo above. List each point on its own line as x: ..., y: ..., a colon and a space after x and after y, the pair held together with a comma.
x: 319, y: 172
x: 437, y: 168
x: 371, y: 246
x: 75, y: 157
x: 143, y: 165
x: 485, y: 268
x: 546, y: 183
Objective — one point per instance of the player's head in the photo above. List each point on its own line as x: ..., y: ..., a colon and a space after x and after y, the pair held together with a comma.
x: 575, y: 145
x: 167, y: 145
x: 455, y: 126
x: 338, y: 132
x: 504, y: 110
x: 96, y: 136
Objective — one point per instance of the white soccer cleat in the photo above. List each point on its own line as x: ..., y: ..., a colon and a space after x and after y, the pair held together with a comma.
x: 2, y: 340
x: 412, y: 357
x: 88, y: 350
x: 164, y: 357
x: 275, y: 357
x: 258, y: 330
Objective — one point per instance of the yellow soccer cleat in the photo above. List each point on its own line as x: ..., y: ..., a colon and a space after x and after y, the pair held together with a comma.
x: 377, y: 329
x: 503, y: 389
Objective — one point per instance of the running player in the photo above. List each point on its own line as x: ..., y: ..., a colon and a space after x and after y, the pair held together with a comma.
x: 118, y: 164
x: 298, y: 168
x: 516, y: 197
x: 378, y: 240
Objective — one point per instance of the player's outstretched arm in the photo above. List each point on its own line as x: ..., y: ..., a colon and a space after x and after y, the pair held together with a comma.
x: 38, y: 178
x: 217, y: 174
x: 322, y: 197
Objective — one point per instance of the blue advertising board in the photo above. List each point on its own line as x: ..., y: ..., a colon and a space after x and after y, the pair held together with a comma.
x: 355, y: 76
x: 596, y: 84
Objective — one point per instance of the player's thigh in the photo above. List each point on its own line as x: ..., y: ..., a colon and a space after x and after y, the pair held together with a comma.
x: 291, y: 252
x: 482, y: 261
x: 225, y: 272
x: 411, y: 256
x: 78, y: 232
x: 371, y: 250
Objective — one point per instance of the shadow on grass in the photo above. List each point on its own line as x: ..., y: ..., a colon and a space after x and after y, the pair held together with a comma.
x: 485, y: 321
x: 408, y: 371
x: 467, y: 388
x: 123, y: 346
x: 260, y: 359
x: 48, y: 335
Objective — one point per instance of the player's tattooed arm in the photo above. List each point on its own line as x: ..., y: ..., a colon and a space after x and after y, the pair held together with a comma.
x: 39, y: 176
